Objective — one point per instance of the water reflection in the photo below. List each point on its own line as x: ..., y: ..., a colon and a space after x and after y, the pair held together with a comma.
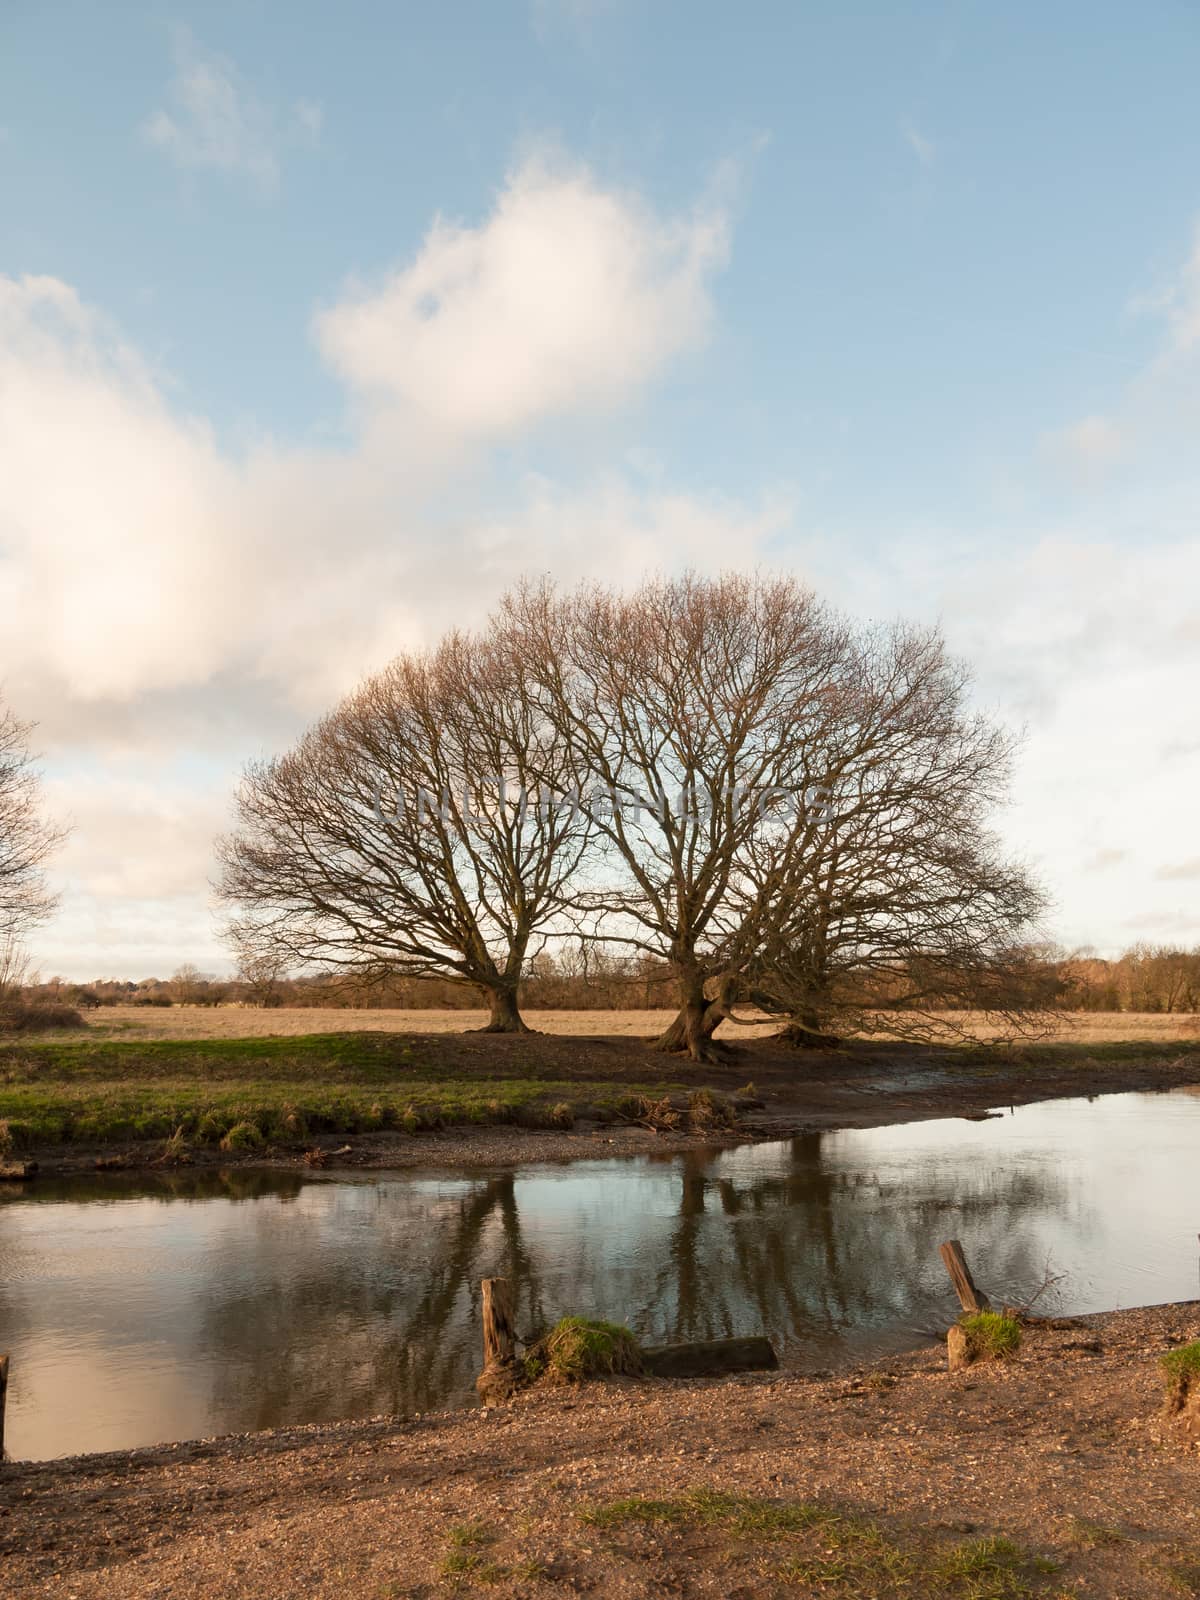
x: 218, y: 1302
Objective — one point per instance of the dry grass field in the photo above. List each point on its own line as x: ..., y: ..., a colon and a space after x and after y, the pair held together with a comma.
x: 242, y: 1022
x: 240, y: 1080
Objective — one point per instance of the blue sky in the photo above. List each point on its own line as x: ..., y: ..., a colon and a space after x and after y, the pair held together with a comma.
x: 318, y: 326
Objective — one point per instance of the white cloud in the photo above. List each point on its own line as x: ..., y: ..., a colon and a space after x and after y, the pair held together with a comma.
x: 579, y: 15
x: 1181, y: 302
x: 1180, y: 871
x: 921, y: 146
x: 1088, y: 447
x: 138, y: 557
x: 569, y: 297
x: 112, y: 510
x: 1159, y: 411
x: 138, y: 833
x: 161, y: 599
x: 216, y: 120
x: 1104, y: 859
x: 1089, y: 640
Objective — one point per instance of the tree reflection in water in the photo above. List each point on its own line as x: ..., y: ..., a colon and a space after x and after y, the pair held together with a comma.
x: 695, y: 1246
x: 306, y: 1301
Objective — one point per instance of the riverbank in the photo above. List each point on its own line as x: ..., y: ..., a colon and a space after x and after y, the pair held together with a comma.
x: 381, y: 1100
x: 1050, y: 1474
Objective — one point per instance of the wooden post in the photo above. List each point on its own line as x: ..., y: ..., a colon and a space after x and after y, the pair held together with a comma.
x: 969, y: 1297
x: 499, y: 1376
x: 498, y: 1336
x: 958, y: 1348
x: 3, y: 1399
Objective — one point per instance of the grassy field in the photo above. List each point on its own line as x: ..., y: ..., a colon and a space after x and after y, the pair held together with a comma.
x: 237, y: 1022
x: 76, y: 1090
x: 238, y: 1080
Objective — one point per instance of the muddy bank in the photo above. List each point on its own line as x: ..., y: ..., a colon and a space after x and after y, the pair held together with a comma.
x: 790, y: 1092
x: 889, y: 1480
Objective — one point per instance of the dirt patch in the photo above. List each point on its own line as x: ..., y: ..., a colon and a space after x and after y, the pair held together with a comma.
x: 1047, y: 1474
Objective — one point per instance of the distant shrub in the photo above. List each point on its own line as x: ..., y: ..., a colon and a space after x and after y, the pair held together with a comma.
x: 242, y: 1136
x: 708, y: 1110
x: 20, y: 1135
x: 17, y: 1017
x: 175, y: 1149
x: 212, y: 1127
x: 659, y: 1114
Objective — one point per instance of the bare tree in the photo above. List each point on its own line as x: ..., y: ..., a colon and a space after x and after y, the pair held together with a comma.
x: 263, y: 973
x: 902, y: 911
x: 790, y: 804
x: 189, y: 985
x: 403, y: 835
x: 15, y: 968
x: 691, y: 704
x: 27, y: 838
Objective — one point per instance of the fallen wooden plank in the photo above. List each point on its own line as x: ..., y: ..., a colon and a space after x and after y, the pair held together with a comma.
x: 709, y: 1358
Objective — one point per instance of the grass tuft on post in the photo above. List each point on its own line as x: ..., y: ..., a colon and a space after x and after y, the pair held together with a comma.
x: 991, y: 1336
x: 577, y: 1348
x: 1181, y: 1370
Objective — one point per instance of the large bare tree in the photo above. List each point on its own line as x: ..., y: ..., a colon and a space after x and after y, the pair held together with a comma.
x: 404, y: 834
x: 27, y: 838
x: 902, y: 911
x: 790, y: 804
x: 691, y: 703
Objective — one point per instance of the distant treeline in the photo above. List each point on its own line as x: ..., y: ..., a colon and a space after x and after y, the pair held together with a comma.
x: 1146, y: 978
x: 1163, y: 978
x: 592, y: 981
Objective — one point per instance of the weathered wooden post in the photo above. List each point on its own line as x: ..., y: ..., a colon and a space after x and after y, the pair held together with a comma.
x: 3, y: 1400
x: 499, y: 1376
x: 969, y: 1297
x: 498, y: 1336
x: 958, y: 1348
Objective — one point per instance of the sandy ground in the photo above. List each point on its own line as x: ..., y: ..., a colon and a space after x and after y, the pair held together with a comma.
x: 246, y: 1022
x: 1063, y: 1450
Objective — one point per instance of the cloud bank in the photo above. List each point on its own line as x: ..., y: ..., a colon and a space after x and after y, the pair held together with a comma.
x: 216, y: 120
x: 165, y: 601
x: 172, y: 607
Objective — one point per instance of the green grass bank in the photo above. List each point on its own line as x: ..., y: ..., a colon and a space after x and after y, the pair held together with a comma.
x: 55, y: 1092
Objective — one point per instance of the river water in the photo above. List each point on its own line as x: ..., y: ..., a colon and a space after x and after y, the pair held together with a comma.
x: 139, y: 1310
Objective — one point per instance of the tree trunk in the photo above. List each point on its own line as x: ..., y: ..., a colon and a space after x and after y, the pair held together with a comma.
x: 803, y: 1029
x: 505, y: 1015
x: 691, y: 1033
x: 806, y: 1038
